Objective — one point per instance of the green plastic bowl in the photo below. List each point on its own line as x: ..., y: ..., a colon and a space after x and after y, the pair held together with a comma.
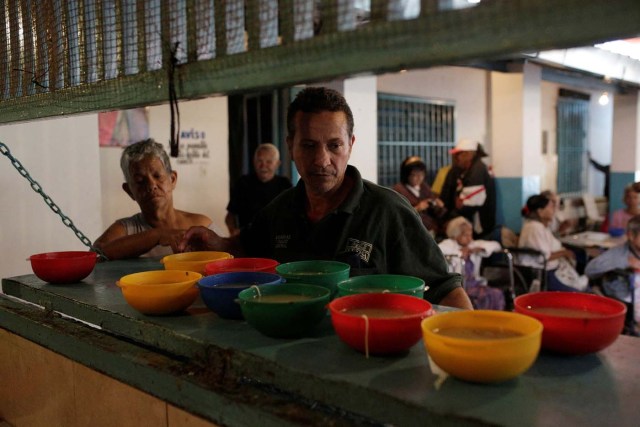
x: 286, y: 310
x: 316, y: 272
x: 376, y: 283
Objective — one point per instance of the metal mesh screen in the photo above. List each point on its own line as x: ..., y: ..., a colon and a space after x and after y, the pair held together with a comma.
x: 69, y: 56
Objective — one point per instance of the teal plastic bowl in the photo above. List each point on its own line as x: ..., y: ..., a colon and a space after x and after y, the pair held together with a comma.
x: 317, y: 272
x: 377, y: 283
x: 286, y: 310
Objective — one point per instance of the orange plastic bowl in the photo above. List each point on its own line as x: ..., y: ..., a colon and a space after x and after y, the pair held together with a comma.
x: 160, y: 291
x: 63, y: 267
x: 391, y: 325
x: 574, y: 323
x: 483, y: 346
x: 232, y: 265
x: 192, y: 261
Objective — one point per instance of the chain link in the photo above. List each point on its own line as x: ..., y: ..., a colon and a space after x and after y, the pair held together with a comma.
x: 52, y: 205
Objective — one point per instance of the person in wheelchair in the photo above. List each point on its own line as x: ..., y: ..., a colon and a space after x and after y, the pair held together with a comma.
x: 617, y: 271
x: 536, y: 234
x: 465, y: 256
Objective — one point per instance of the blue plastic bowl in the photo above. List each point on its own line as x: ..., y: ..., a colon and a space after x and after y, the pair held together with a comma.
x: 220, y: 291
x: 616, y: 232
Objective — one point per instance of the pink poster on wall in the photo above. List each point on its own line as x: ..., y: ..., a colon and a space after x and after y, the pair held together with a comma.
x: 124, y: 127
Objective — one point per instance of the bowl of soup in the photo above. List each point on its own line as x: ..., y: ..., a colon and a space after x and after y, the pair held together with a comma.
x: 285, y: 310
x: 483, y: 346
x: 193, y: 261
x: 220, y: 291
x: 160, y: 291
x: 379, y: 323
x: 230, y: 265
x: 574, y: 323
x: 316, y: 272
x: 382, y: 283
x: 63, y: 267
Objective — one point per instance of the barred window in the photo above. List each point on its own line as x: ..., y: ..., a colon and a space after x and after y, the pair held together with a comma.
x: 572, y: 122
x: 409, y: 126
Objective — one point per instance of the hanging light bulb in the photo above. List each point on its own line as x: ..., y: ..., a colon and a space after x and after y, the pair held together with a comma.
x: 604, y: 99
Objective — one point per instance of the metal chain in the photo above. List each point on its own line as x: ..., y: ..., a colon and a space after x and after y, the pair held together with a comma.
x: 52, y: 205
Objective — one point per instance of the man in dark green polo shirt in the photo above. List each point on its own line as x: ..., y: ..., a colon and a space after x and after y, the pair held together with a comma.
x: 333, y: 213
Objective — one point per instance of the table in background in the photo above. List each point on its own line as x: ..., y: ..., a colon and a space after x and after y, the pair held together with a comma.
x: 593, y: 242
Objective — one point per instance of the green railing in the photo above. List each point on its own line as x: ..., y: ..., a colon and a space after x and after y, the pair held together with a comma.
x: 60, y: 57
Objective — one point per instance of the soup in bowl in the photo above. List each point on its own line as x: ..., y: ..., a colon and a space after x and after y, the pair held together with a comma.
x: 379, y: 323
x: 574, y: 322
x: 285, y: 310
x: 482, y: 346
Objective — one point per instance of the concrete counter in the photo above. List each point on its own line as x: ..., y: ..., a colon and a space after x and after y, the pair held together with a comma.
x: 228, y: 373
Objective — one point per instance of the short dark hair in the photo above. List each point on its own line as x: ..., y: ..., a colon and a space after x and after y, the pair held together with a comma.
x: 534, y: 203
x: 409, y: 165
x: 316, y: 100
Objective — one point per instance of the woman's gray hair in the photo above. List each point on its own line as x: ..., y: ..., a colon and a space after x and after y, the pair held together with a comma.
x: 454, y: 228
x: 138, y: 151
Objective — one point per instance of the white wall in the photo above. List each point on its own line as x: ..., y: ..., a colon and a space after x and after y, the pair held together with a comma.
x: 62, y: 156
x: 361, y: 95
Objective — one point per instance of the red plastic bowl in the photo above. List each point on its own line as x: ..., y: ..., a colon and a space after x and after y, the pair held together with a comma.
x: 232, y: 265
x: 63, y: 267
x: 393, y: 321
x: 574, y: 323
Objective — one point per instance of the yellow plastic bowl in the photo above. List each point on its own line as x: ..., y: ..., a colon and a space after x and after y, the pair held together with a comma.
x: 160, y: 291
x: 193, y: 261
x: 483, y: 345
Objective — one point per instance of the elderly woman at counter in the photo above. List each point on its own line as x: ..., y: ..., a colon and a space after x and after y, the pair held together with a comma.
x: 158, y: 228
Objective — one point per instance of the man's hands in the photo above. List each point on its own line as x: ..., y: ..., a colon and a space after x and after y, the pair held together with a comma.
x: 199, y: 239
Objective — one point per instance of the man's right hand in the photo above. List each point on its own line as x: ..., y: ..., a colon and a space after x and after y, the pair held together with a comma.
x: 199, y: 238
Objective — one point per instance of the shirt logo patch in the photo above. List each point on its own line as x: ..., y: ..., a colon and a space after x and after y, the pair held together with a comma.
x: 282, y: 241
x: 363, y: 249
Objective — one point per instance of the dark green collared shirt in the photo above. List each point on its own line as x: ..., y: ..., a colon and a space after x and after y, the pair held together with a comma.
x: 375, y: 230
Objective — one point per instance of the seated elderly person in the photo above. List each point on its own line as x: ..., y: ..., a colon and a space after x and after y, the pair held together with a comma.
x: 158, y: 228
x: 631, y: 200
x: 415, y: 189
x: 465, y: 256
x: 622, y: 257
x: 536, y: 234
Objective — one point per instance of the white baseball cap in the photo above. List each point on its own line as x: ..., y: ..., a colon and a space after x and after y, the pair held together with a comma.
x: 464, y: 144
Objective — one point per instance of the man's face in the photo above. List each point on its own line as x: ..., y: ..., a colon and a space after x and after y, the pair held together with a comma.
x: 632, y: 199
x: 463, y: 159
x: 150, y: 184
x: 634, y: 241
x: 265, y: 164
x: 321, y: 148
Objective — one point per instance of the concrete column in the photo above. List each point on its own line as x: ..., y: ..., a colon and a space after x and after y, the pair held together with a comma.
x: 515, y: 136
x: 625, y: 158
